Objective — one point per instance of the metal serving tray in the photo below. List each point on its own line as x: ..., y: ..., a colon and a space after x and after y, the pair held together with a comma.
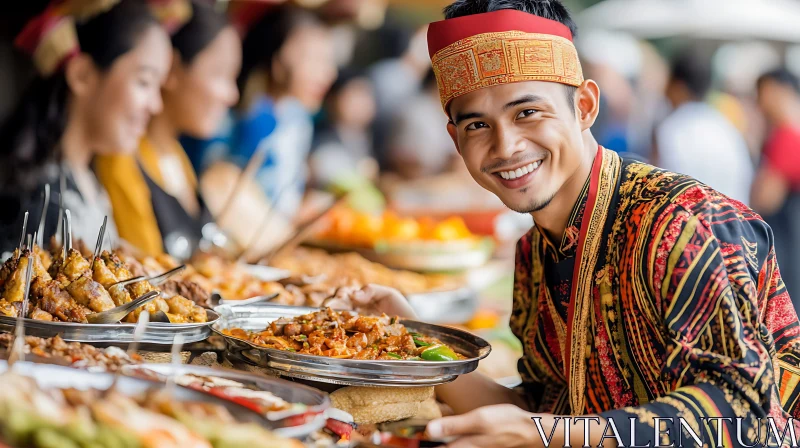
x: 349, y: 372
x: 157, y: 333
x: 53, y: 376
x: 313, y: 403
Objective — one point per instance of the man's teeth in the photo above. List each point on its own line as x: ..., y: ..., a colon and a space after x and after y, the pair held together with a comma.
x: 519, y: 172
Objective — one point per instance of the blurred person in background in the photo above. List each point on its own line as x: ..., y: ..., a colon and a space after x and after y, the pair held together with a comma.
x: 288, y: 66
x: 696, y: 139
x: 343, y: 144
x: 776, y: 190
x: 418, y: 144
x: 101, y: 66
x: 154, y: 193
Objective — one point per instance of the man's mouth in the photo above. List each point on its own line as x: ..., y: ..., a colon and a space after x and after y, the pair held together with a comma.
x: 519, y: 172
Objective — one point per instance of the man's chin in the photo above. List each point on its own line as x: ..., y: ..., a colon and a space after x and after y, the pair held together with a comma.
x: 529, y: 206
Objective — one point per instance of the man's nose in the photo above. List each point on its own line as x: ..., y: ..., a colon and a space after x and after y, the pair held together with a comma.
x: 508, y: 142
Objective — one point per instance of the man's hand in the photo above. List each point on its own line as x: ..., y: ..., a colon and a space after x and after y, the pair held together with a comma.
x: 508, y: 426
x: 499, y: 426
x: 376, y: 299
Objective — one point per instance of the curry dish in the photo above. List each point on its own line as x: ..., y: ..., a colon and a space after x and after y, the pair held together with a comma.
x: 346, y: 335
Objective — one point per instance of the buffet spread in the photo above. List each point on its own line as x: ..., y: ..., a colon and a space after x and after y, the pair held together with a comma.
x: 292, y: 354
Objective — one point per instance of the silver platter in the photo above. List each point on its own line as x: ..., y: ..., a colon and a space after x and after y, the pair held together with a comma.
x: 157, y: 333
x: 445, y: 307
x: 313, y: 402
x: 52, y: 376
x: 348, y: 372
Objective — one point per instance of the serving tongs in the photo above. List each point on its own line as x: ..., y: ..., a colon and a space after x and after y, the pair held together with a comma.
x: 118, y: 313
x: 155, y: 280
x: 18, y: 349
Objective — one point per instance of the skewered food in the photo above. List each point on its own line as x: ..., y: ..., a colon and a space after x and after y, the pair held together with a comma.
x: 73, y: 287
x: 109, y: 359
x: 34, y: 417
x: 346, y: 335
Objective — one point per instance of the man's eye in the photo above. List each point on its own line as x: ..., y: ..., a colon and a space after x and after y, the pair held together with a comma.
x: 476, y: 125
x: 527, y: 113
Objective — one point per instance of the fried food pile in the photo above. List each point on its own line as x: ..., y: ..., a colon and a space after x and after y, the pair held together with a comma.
x: 351, y: 269
x: 110, y: 359
x: 344, y: 335
x: 34, y: 417
x: 210, y: 273
x: 68, y: 289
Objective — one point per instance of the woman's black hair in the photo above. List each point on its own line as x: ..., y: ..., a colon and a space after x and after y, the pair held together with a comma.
x: 30, y: 136
x: 267, y: 36
x: 196, y: 34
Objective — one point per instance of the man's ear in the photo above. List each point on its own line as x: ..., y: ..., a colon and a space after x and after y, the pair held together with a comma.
x: 81, y: 75
x: 587, y: 100
x: 451, y: 129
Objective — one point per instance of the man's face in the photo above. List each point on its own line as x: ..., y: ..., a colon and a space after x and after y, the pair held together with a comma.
x: 521, y: 141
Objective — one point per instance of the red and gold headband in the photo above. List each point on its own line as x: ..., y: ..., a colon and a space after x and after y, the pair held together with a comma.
x: 50, y: 38
x: 501, y: 47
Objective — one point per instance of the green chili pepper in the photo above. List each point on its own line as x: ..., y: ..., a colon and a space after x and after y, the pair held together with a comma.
x: 438, y: 353
x: 301, y: 337
x: 290, y: 350
x: 421, y: 343
x: 393, y: 355
x: 415, y: 334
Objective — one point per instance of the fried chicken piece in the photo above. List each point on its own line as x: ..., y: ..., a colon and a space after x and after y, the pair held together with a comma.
x: 74, y: 267
x: 186, y: 308
x: 15, y: 286
x: 54, y: 300
x: 103, y: 275
x: 8, y: 268
x: 158, y: 304
x: 39, y: 269
x: 188, y: 289
x: 89, y: 293
x: 36, y: 313
x: 8, y: 309
x: 44, y: 257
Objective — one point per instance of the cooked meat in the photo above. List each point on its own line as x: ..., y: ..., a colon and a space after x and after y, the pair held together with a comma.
x: 75, y: 266
x: 188, y: 289
x: 8, y: 308
x: 15, y: 286
x: 54, y: 300
x: 91, y: 294
x: 36, y: 313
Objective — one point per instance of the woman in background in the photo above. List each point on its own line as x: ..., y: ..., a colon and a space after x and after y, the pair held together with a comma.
x: 288, y: 66
x: 154, y: 193
x: 100, y: 67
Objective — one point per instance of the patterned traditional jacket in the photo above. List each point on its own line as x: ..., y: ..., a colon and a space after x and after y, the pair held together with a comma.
x: 663, y: 299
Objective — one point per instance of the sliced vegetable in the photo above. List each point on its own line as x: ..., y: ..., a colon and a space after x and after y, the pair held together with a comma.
x: 438, y: 353
x: 393, y: 355
x: 421, y: 343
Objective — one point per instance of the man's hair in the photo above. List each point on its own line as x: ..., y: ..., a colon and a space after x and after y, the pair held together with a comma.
x: 547, y: 9
x: 781, y: 76
x: 693, y: 71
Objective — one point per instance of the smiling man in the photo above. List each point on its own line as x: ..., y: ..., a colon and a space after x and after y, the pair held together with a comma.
x: 639, y: 293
